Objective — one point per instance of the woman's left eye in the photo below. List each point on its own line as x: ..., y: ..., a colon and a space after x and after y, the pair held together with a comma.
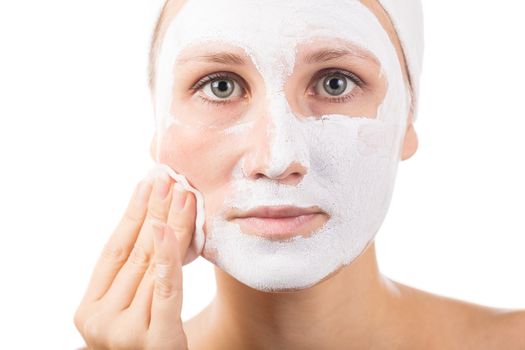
x: 334, y: 85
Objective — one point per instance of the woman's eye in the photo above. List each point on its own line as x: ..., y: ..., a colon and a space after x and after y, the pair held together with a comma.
x: 334, y: 84
x: 222, y: 88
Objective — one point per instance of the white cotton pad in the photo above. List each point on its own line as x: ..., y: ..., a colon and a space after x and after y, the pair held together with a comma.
x: 197, y: 241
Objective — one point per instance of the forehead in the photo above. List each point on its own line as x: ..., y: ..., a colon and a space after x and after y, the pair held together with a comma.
x: 316, y: 50
x: 274, y: 25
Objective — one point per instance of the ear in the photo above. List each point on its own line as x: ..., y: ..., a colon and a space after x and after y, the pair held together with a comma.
x: 410, y: 143
x: 153, y: 147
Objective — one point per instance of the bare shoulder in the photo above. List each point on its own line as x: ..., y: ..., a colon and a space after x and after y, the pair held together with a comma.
x: 505, y: 329
x: 448, y: 323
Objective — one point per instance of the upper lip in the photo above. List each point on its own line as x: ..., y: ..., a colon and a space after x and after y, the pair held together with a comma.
x: 276, y: 212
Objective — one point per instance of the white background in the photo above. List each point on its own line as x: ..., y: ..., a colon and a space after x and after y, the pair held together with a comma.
x: 76, y: 123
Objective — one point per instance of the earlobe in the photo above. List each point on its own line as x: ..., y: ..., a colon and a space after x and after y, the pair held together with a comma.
x: 410, y: 143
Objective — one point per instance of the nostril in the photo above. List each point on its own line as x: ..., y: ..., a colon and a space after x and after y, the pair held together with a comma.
x: 293, y: 179
x: 285, y: 178
x: 259, y: 176
x: 290, y: 178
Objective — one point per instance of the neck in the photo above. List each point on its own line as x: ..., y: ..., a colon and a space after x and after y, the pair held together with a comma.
x: 354, y: 308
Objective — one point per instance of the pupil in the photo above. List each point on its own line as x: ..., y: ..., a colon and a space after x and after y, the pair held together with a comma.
x: 223, y: 85
x: 222, y: 88
x: 335, y: 85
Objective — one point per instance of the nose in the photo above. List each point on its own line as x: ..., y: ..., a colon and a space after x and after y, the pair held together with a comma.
x: 278, y: 149
x: 291, y: 175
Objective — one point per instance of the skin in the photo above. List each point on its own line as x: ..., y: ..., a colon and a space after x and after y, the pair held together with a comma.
x: 134, y: 296
x: 206, y: 142
x: 356, y: 307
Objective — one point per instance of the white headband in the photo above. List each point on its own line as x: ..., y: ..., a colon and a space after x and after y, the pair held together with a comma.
x: 407, y: 17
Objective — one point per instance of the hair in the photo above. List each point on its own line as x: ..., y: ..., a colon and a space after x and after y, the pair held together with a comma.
x: 156, y: 39
x: 171, y: 6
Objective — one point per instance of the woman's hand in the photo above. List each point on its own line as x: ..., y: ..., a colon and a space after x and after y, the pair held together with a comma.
x: 134, y: 297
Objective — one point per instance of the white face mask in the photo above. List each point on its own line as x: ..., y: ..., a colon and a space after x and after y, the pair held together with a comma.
x: 351, y: 160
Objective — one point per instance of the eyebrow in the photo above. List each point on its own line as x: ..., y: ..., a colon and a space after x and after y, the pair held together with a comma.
x: 320, y: 56
x: 325, y: 55
x: 220, y: 57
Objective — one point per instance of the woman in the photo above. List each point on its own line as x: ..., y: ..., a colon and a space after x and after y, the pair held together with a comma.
x: 287, y: 119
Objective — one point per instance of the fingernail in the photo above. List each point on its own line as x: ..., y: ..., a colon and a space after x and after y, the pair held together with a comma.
x: 179, y: 196
x: 158, y: 232
x: 162, y: 187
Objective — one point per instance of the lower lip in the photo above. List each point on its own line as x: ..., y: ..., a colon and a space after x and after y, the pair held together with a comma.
x: 278, y: 227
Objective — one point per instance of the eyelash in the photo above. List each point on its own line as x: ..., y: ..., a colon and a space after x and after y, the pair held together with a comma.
x: 227, y: 75
x: 210, y: 78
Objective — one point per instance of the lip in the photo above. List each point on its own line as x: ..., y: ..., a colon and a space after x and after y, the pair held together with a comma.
x: 282, y: 211
x: 279, y: 222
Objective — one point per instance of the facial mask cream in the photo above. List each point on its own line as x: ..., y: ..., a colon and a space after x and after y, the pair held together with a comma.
x: 351, y: 161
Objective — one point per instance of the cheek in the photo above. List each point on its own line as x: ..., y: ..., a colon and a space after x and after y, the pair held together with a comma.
x: 206, y: 157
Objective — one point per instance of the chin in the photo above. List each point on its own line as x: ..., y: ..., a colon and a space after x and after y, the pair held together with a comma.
x: 291, y: 265
x: 276, y: 285
x: 277, y: 273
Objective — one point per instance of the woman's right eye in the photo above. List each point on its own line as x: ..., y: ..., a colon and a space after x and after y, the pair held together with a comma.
x: 219, y: 88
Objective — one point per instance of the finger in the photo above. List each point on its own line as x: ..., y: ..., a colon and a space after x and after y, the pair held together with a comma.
x: 140, y: 307
x: 183, y: 223
x: 117, y: 248
x: 125, y: 284
x: 166, y: 303
x: 182, y: 217
x: 158, y: 209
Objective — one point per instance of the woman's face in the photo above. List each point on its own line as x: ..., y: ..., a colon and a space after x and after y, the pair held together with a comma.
x: 297, y: 104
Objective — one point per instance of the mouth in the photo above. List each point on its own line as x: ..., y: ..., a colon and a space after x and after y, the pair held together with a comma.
x: 280, y: 222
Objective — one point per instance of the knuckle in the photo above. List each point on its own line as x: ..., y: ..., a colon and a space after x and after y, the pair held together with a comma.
x: 171, y: 341
x: 114, y: 253
x: 94, y: 331
x: 139, y: 257
x: 180, y: 230
x: 133, y: 215
x: 179, y: 227
x: 124, y: 339
x: 150, y: 272
x: 164, y: 288
x: 157, y: 212
x: 78, y: 319
x: 163, y: 261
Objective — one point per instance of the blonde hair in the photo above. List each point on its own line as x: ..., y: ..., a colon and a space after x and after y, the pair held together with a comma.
x: 169, y: 7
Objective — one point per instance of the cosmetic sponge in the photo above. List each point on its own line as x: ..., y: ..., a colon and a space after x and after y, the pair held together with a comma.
x: 197, y: 241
